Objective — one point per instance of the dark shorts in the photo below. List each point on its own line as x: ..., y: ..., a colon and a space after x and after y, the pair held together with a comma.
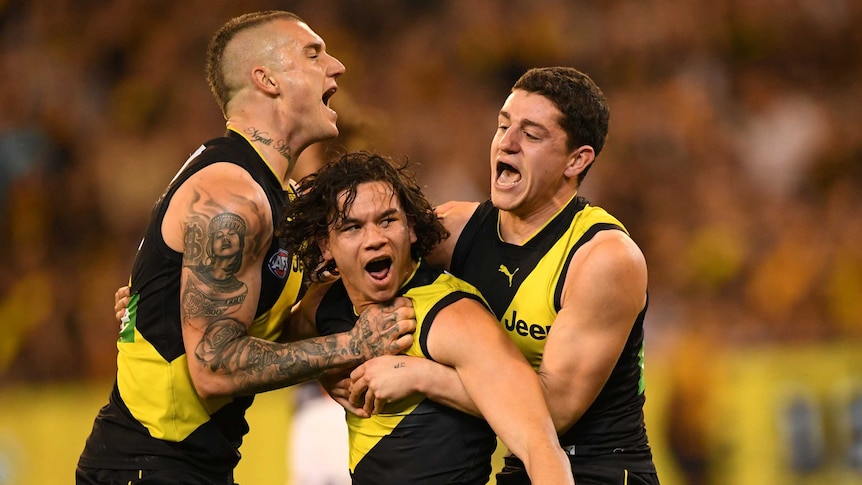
x: 100, y: 476
x: 587, y: 471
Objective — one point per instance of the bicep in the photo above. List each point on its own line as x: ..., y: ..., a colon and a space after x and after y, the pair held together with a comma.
x: 495, y: 374
x: 605, y: 290
x: 226, y: 227
x: 467, y: 337
x: 466, y: 333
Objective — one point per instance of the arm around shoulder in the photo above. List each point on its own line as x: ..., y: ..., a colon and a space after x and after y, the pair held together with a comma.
x: 604, y: 292
x: 454, y: 215
x: 502, y: 384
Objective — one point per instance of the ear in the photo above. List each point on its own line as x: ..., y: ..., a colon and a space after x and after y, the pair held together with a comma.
x: 323, y: 244
x: 263, y: 80
x: 413, y: 237
x: 580, y: 159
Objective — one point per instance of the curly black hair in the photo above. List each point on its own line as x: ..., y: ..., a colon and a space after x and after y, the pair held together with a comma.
x: 315, y: 211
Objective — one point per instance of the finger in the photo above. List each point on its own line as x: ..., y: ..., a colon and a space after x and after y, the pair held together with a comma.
x: 401, y: 344
x: 379, y: 404
x: 405, y: 313
x: 406, y: 326
x: 358, y: 392
x: 369, y: 405
x: 357, y: 373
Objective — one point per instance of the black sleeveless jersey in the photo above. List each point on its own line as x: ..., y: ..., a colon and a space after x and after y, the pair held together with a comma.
x: 415, y: 440
x: 154, y: 418
x: 523, y: 284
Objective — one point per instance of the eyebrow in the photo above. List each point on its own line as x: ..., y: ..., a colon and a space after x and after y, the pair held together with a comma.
x: 315, y: 46
x: 526, y: 122
x: 353, y: 220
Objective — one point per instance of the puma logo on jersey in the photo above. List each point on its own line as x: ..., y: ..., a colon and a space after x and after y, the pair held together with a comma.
x: 509, y: 274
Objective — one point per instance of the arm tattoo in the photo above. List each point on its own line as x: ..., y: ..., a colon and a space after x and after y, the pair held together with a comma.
x: 256, y: 365
x: 214, y: 257
x: 365, y: 343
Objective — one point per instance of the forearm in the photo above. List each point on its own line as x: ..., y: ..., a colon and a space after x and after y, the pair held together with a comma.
x: 233, y: 363
x: 441, y: 383
x: 522, y: 422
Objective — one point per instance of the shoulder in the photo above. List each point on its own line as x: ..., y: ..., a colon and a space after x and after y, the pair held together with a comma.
x: 307, y: 307
x: 610, y: 250
x: 226, y: 184
x: 221, y: 189
x: 610, y: 262
x: 454, y: 215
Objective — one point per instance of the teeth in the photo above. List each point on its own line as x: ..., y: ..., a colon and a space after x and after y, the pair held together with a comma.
x: 507, y: 176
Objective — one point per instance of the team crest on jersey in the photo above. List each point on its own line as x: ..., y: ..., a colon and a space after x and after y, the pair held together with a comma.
x: 279, y: 263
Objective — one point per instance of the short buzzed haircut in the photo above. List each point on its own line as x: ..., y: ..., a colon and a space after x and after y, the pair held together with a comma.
x: 218, y: 44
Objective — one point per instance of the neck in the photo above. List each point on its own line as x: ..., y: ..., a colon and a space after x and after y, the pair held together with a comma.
x: 275, y: 149
x: 516, y: 227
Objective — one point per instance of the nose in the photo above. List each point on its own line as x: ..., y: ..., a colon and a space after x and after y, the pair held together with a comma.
x: 508, y: 140
x: 337, y: 68
x: 374, y: 237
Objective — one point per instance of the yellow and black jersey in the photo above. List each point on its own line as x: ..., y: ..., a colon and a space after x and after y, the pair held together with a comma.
x: 154, y: 418
x: 416, y: 440
x: 523, y: 284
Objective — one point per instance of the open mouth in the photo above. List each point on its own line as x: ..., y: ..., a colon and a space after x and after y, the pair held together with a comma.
x: 507, y: 175
x: 379, y: 268
x: 327, y: 95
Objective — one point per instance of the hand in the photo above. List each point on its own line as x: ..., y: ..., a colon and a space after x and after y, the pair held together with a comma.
x: 121, y: 300
x: 338, y: 388
x: 382, y: 380
x: 385, y: 328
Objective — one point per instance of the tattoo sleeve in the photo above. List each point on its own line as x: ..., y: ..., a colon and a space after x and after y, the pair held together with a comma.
x: 257, y: 365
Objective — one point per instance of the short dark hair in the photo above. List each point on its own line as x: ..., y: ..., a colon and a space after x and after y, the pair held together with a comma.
x: 314, y: 212
x: 220, y: 40
x: 584, y: 107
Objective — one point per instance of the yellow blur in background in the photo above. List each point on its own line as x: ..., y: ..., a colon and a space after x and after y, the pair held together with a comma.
x: 754, y: 405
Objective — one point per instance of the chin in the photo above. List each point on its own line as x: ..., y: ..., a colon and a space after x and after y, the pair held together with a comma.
x: 502, y: 201
x: 384, y: 294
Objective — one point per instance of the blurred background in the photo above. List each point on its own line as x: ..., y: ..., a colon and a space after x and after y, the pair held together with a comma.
x: 734, y: 159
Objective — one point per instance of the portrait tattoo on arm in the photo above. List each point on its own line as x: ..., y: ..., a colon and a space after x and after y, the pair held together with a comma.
x: 214, y: 257
x: 215, y: 247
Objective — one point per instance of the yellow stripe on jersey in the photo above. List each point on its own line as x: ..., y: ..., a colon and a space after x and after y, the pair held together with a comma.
x: 175, y: 410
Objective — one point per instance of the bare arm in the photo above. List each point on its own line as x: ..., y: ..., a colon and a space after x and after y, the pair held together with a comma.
x: 454, y: 215
x: 394, y: 377
x: 604, y: 292
x: 221, y: 221
x: 503, y: 386
x: 391, y: 378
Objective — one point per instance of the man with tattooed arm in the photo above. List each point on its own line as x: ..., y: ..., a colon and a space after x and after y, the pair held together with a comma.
x: 211, y: 282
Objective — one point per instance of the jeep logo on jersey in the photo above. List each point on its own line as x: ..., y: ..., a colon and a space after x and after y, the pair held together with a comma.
x: 279, y: 264
x: 524, y: 329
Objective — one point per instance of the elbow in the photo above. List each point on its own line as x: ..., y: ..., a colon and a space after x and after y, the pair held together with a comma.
x: 565, y: 407
x: 210, y: 386
x: 565, y: 413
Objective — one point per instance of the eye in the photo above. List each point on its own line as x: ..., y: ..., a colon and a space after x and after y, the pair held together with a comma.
x: 530, y: 136
x: 502, y: 127
x: 350, y: 228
